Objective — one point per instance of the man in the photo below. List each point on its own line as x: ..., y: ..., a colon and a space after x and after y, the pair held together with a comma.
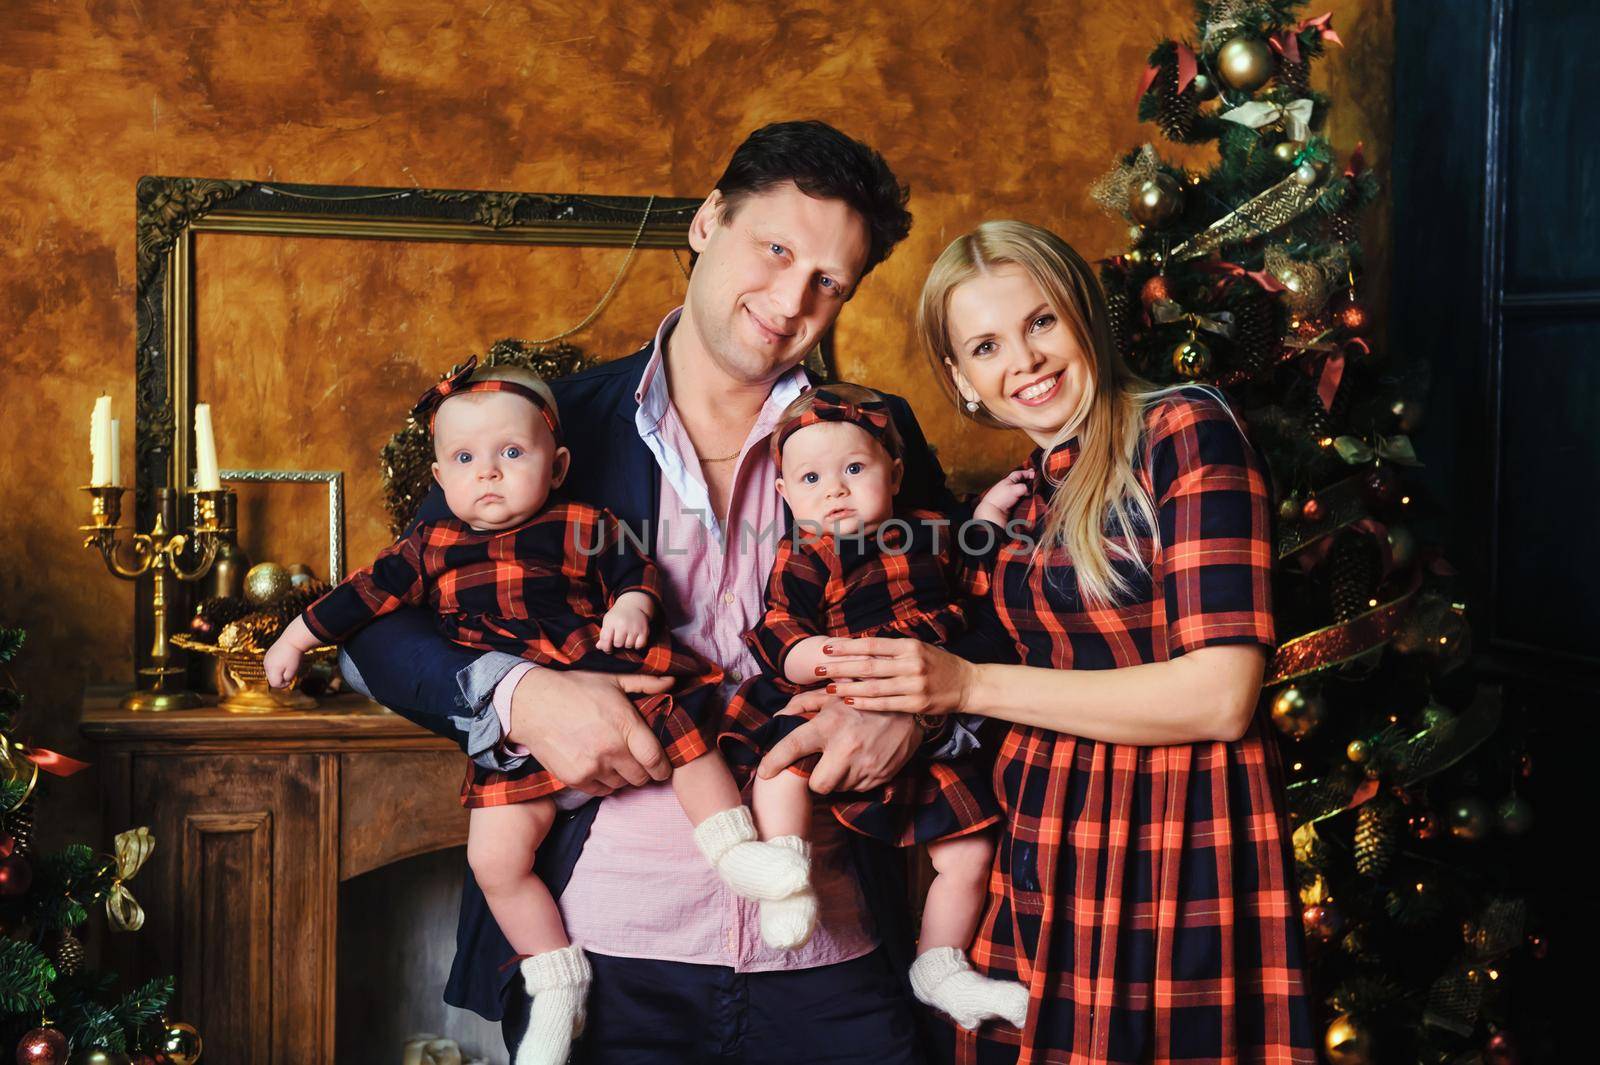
x: 673, y: 440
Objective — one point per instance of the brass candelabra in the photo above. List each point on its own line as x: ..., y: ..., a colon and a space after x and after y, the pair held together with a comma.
x: 159, y: 553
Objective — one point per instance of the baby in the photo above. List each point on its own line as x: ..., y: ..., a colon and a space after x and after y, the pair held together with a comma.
x: 851, y: 571
x: 519, y: 569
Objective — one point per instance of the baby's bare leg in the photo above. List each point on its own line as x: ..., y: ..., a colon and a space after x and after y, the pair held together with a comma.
x: 705, y: 787
x: 501, y: 844
x: 941, y: 976
x: 955, y: 899
x: 782, y: 805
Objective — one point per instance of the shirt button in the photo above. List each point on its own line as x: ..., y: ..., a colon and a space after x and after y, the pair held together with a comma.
x: 727, y: 597
x: 733, y: 675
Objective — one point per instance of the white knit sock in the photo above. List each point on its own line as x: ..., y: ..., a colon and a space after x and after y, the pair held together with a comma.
x: 558, y: 983
x: 754, y: 870
x: 786, y: 924
x: 941, y: 978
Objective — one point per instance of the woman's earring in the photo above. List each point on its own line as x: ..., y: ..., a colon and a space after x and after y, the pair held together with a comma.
x: 972, y: 406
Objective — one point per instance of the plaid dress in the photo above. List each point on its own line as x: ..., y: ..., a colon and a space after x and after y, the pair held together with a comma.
x: 538, y: 591
x: 1145, y: 895
x: 905, y: 581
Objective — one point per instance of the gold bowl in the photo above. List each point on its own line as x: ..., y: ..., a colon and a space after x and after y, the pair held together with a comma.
x: 242, y: 679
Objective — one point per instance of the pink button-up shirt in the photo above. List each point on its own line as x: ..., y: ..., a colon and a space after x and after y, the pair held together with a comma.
x: 641, y: 888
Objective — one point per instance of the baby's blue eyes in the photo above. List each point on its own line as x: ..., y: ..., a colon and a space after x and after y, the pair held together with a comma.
x: 854, y: 467
x: 463, y: 457
x: 809, y: 478
x: 513, y: 452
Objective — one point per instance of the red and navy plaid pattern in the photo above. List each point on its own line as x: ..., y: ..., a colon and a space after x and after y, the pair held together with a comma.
x: 538, y: 591
x: 906, y: 582
x: 1145, y: 894
x: 461, y: 381
x: 870, y: 415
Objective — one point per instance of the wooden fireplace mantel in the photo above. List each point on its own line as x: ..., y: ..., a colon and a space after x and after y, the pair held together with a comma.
x: 257, y: 818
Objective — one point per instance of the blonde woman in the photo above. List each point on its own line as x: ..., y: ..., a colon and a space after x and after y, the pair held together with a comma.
x: 1142, y: 887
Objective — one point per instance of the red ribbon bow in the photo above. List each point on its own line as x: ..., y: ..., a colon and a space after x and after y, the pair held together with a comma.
x: 1188, y: 67
x: 461, y: 381
x: 871, y: 415
x: 1287, y: 43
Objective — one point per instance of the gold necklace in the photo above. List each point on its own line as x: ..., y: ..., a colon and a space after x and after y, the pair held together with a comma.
x: 724, y: 458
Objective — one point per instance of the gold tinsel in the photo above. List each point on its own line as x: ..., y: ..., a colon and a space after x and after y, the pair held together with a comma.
x: 407, y: 459
x: 1307, y: 283
x: 1270, y: 211
x: 1111, y: 190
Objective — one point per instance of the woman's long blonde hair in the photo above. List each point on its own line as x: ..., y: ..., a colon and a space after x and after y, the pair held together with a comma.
x: 1102, y: 500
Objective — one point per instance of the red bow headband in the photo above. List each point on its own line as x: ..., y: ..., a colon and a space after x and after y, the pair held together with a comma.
x: 872, y: 415
x: 461, y: 382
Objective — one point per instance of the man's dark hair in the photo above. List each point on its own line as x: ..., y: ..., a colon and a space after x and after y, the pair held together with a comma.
x: 826, y: 164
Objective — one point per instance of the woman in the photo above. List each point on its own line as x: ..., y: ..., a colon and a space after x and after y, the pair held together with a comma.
x: 1142, y: 889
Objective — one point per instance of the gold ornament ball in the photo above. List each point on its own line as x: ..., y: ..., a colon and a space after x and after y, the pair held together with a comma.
x: 1306, y: 174
x: 265, y: 582
x: 181, y: 1044
x: 1191, y: 359
x: 1285, y: 151
x: 1358, y: 751
x: 1204, y: 87
x: 1245, y: 63
x: 1288, y: 508
x: 1297, y: 711
x: 1347, y: 1043
x: 1156, y: 201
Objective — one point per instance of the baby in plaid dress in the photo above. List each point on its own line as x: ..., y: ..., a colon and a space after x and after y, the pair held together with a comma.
x: 854, y: 568
x: 517, y: 569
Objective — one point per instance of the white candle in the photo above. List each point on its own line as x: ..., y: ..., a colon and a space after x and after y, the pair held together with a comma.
x: 205, y: 450
x: 100, y: 442
x: 116, y: 453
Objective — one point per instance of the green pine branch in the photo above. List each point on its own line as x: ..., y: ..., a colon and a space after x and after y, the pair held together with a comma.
x: 25, y: 977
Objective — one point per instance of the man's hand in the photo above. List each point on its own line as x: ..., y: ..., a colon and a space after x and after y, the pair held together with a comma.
x: 860, y: 750
x: 584, y: 729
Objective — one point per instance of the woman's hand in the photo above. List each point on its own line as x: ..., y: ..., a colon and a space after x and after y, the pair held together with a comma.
x: 898, y: 675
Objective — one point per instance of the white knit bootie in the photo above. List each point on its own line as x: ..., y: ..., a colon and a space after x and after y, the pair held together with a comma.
x: 558, y: 983
x: 786, y: 924
x: 754, y: 870
x: 941, y: 978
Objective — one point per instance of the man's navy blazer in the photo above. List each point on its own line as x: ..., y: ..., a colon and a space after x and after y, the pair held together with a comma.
x: 410, y: 668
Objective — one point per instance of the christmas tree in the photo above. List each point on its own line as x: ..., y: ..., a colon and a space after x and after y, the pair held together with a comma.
x: 1245, y: 274
x: 52, y: 1007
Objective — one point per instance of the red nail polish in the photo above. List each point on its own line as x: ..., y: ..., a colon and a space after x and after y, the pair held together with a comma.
x: 849, y: 700
x: 833, y: 689
x: 822, y: 671
x: 827, y: 648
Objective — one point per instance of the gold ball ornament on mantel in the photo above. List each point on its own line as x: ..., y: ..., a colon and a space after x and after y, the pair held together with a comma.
x: 265, y: 582
x: 1156, y: 201
x: 1245, y: 63
x: 1286, y: 151
x: 1347, y: 1043
x: 180, y: 1044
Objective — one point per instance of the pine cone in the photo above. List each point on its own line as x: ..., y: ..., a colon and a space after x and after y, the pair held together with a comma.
x: 253, y: 632
x: 1375, y: 838
x: 19, y: 826
x: 210, y: 615
x: 1119, y: 311
x: 291, y: 605
x: 1356, y: 570
x: 1256, y: 337
x: 66, y: 953
x: 1175, y: 111
x: 1295, y: 77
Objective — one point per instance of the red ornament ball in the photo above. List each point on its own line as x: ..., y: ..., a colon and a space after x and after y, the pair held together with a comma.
x: 42, y: 1046
x: 1353, y: 317
x: 1380, y: 486
x: 16, y: 876
x: 1501, y: 1049
x: 1312, y: 509
x: 1155, y: 290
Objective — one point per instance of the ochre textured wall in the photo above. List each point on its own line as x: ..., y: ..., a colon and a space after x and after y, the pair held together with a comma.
x: 1005, y: 109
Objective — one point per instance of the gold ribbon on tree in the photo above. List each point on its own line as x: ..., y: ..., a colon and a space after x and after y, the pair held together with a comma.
x: 1256, y: 217
x: 133, y: 850
x: 1324, y: 648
